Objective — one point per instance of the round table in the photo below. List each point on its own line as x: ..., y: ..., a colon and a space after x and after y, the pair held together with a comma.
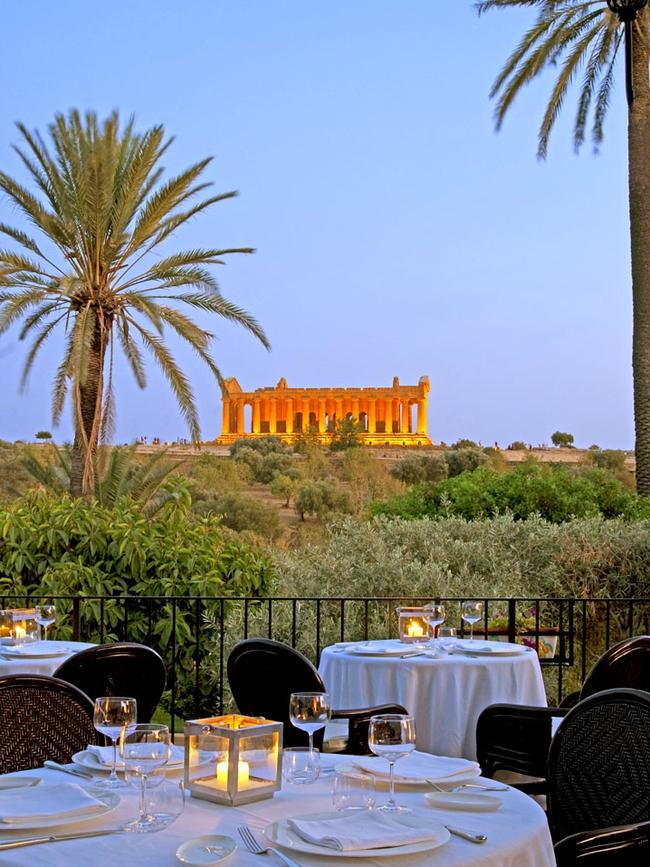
x: 518, y: 834
x: 445, y: 694
x: 47, y: 665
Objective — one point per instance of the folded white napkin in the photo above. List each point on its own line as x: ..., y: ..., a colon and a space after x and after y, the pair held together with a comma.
x: 361, y: 831
x: 104, y: 756
x: 418, y: 765
x: 47, y: 802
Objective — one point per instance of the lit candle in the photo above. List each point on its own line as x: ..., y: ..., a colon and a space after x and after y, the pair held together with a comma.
x: 243, y: 774
x: 414, y: 630
x: 19, y: 632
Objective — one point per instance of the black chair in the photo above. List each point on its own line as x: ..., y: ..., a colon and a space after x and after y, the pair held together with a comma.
x: 42, y: 718
x: 517, y: 738
x: 599, y: 780
x: 263, y: 673
x: 132, y: 670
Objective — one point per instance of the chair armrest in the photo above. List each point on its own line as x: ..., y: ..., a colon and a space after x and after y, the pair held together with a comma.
x: 621, y: 844
x: 514, y: 737
x: 359, y: 719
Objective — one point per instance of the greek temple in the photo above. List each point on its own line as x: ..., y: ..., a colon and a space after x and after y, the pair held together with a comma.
x: 386, y: 416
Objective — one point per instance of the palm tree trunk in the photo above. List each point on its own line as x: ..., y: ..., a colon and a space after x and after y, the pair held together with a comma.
x: 88, y: 396
x: 639, y: 193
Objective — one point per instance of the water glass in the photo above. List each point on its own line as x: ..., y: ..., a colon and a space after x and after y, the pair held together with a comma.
x: 471, y: 612
x: 392, y: 736
x: 45, y: 616
x: 434, y: 614
x: 112, y: 715
x: 144, y: 748
x: 300, y: 765
x: 353, y: 792
x: 447, y: 638
x: 310, y: 711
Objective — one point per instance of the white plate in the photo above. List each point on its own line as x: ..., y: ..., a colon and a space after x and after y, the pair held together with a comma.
x: 35, y: 652
x: 385, y: 648
x: 206, y: 850
x: 87, y: 759
x: 11, y: 781
x: 460, y: 801
x: 407, y: 782
x: 490, y: 648
x: 281, y: 835
x: 109, y: 799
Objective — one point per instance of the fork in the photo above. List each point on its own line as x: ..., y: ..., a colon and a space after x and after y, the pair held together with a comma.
x: 462, y: 786
x: 253, y: 845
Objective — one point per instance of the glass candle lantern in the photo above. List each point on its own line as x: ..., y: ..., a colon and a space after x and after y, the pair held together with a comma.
x: 19, y: 626
x: 412, y: 625
x: 233, y: 759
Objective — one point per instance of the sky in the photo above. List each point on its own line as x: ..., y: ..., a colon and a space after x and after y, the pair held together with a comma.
x: 397, y: 234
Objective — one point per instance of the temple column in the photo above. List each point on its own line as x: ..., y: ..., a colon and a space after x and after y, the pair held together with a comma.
x: 305, y: 414
x: 372, y: 415
x: 256, y: 415
x: 225, y: 416
x: 339, y: 410
x: 289, y: 416
x: 394, y: 415
x: 321, y: 415
x: 241, y: 427
x: 272, y: 415
x: 355, y: 409
x: 422, y: 416
x: 406, y: 417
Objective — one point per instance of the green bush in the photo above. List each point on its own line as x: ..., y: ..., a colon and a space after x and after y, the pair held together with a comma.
x: 420, y: 468
x: 241, y: 513
x: 462, y: 460
x: 321, y: 498
x: 555, y: 493
x: 609, y: 459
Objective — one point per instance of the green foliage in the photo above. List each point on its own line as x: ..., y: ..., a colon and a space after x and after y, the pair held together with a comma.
x: 420, y: 468
x: 517, y: 446
x: 262, y: 445
x: 365, y: 477
x: 265, y: 458
x: 210, y: 473
x: 240, y: 512
x: 321, y: 498
x: 465, y: 444
x: 562, y: 439
x: 609, y: 459
x: 465, y: 459
x: 14, y: 478
x: 345, y: 434
x: 43, y: 435
x: 284, y: 487
x: 553, y: 492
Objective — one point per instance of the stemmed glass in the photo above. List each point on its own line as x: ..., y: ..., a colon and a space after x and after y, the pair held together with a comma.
x: 45, y: 616
x: 392, y: 736
x: 434, y: 614
x: 112, y: 716
x: 471, y: 612
x: 310, y: 711
x: 145, y: 747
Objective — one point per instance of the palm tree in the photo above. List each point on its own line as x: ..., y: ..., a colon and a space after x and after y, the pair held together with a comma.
x: 583, y: 38
x: 101, y: 209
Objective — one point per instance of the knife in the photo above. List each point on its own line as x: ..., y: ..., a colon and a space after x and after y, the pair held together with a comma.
x: 56, y: 838
x: 76, y: 772
x: 467, y: 835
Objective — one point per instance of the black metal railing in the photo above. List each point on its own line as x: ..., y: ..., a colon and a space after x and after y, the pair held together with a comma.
x: 195, y: 634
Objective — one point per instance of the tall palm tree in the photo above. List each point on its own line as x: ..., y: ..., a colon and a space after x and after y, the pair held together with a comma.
x: 581, y: 39
x: 101, y: 209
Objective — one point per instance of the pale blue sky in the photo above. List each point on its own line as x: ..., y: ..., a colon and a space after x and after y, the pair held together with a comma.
x: 397, y: 234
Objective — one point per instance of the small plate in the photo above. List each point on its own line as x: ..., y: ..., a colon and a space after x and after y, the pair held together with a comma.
x: 460, y: 801
x: 489, y: 648
x: 13, y: 781
x: 35, y: 652
x: 206, y: 850
x: 87, y: 759
x: 281, y: 835
x: 110, y: 801
x: 386, y: 648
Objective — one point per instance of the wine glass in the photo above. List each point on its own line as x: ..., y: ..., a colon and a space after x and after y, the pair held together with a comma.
x: 471, y: 612
x: 434, y: 614
x: 310, y: 711
x: 45, y: 616
x: 392, y: 736
x: 145, y: 747
x: 113, y: 715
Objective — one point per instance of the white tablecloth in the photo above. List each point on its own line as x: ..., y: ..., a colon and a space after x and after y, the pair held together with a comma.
x: 445, y: 695
x: 518, y: 834
x: 44, y: 665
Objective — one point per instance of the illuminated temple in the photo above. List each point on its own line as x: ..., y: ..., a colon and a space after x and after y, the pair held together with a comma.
x: 387, y: 416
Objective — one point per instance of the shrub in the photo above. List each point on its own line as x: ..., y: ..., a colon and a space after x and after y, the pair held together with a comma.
x: 562, y: 439
x: 345, y: 434
x: 264, y: 464
x: 321, y: 498
x: 463, y: 460
x: 554, y: 493
x: 43, y: 435
x: 420, y: 468
x: 609, y: 459
x: 465, y: 444
x: 284, y: 487
x: 263, y: 445
x: 241, y: 513
x: 517, y: 446
x: 215, y: 473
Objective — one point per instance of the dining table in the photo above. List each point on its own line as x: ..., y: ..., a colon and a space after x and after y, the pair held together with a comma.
x: 445, y: 693
x: 39, y: 657
x: 517, y: 832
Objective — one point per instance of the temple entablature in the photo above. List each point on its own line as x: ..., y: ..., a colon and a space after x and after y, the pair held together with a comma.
x: 386, y: 415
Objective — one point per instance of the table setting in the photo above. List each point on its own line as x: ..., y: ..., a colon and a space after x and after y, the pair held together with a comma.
x: 24, y: 645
